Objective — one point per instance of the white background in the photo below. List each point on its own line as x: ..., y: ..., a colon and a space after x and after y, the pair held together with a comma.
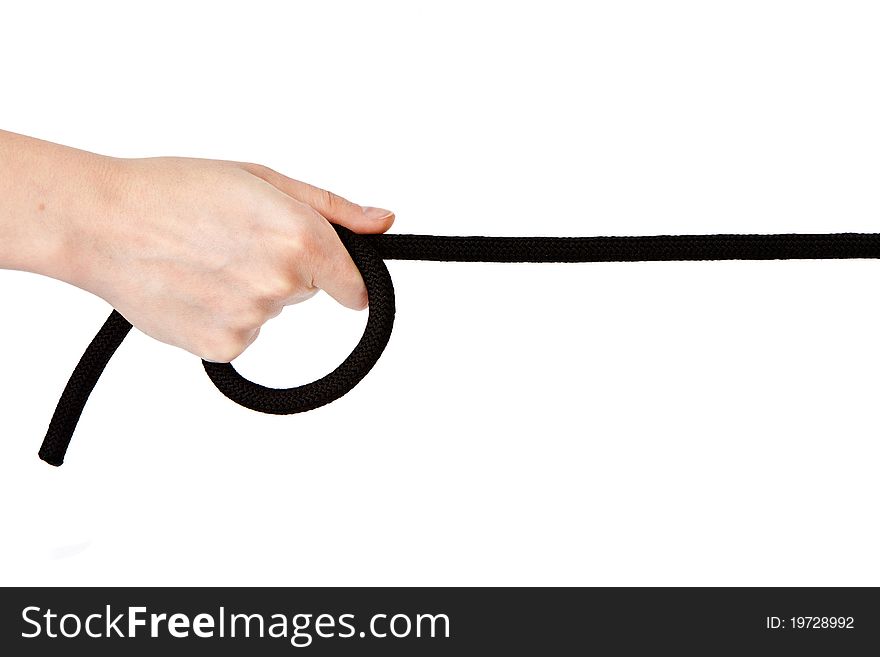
x: 609, y: 424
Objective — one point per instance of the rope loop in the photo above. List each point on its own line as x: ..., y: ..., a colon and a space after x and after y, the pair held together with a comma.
x: 286, y: 401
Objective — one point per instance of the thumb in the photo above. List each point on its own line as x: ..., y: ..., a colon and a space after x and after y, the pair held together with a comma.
x: 332, y: 207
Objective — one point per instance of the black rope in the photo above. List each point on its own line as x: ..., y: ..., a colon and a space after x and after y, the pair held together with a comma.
x: 369, y: 253
x: 79, y: 387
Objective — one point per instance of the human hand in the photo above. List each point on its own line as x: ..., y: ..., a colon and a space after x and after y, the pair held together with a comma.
x: 201, y: 253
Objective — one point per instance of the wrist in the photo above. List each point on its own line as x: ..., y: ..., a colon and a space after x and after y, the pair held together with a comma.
x: 74, y: 234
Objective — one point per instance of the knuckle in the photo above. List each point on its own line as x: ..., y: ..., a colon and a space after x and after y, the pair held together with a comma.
x: 251, y: 317
x: 328, y: 200
x: 275, y: 289
x: 223, y: 347
x: 300, y: 243
x: 302, y: 254
x: 248, y: 313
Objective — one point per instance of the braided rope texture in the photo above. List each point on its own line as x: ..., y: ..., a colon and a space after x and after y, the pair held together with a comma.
x: 80, y: 386
x: 628, y: 249
x: 369, y: 253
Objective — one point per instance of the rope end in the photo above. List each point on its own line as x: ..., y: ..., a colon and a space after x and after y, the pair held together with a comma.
x: 51, y: 458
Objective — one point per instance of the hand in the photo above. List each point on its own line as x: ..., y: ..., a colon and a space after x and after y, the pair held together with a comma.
x: 200, y: 254
x: 196, y: 253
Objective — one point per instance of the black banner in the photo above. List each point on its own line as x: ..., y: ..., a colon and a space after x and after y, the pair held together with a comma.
x: 420, y: 621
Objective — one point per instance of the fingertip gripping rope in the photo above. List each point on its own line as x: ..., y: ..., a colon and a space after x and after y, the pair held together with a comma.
x: 369, y: 253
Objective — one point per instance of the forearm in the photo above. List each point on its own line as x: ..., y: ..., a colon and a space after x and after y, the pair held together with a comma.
x: 48, y: 194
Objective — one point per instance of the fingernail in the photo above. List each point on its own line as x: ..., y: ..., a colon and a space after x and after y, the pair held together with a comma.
x: 375, y: 214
